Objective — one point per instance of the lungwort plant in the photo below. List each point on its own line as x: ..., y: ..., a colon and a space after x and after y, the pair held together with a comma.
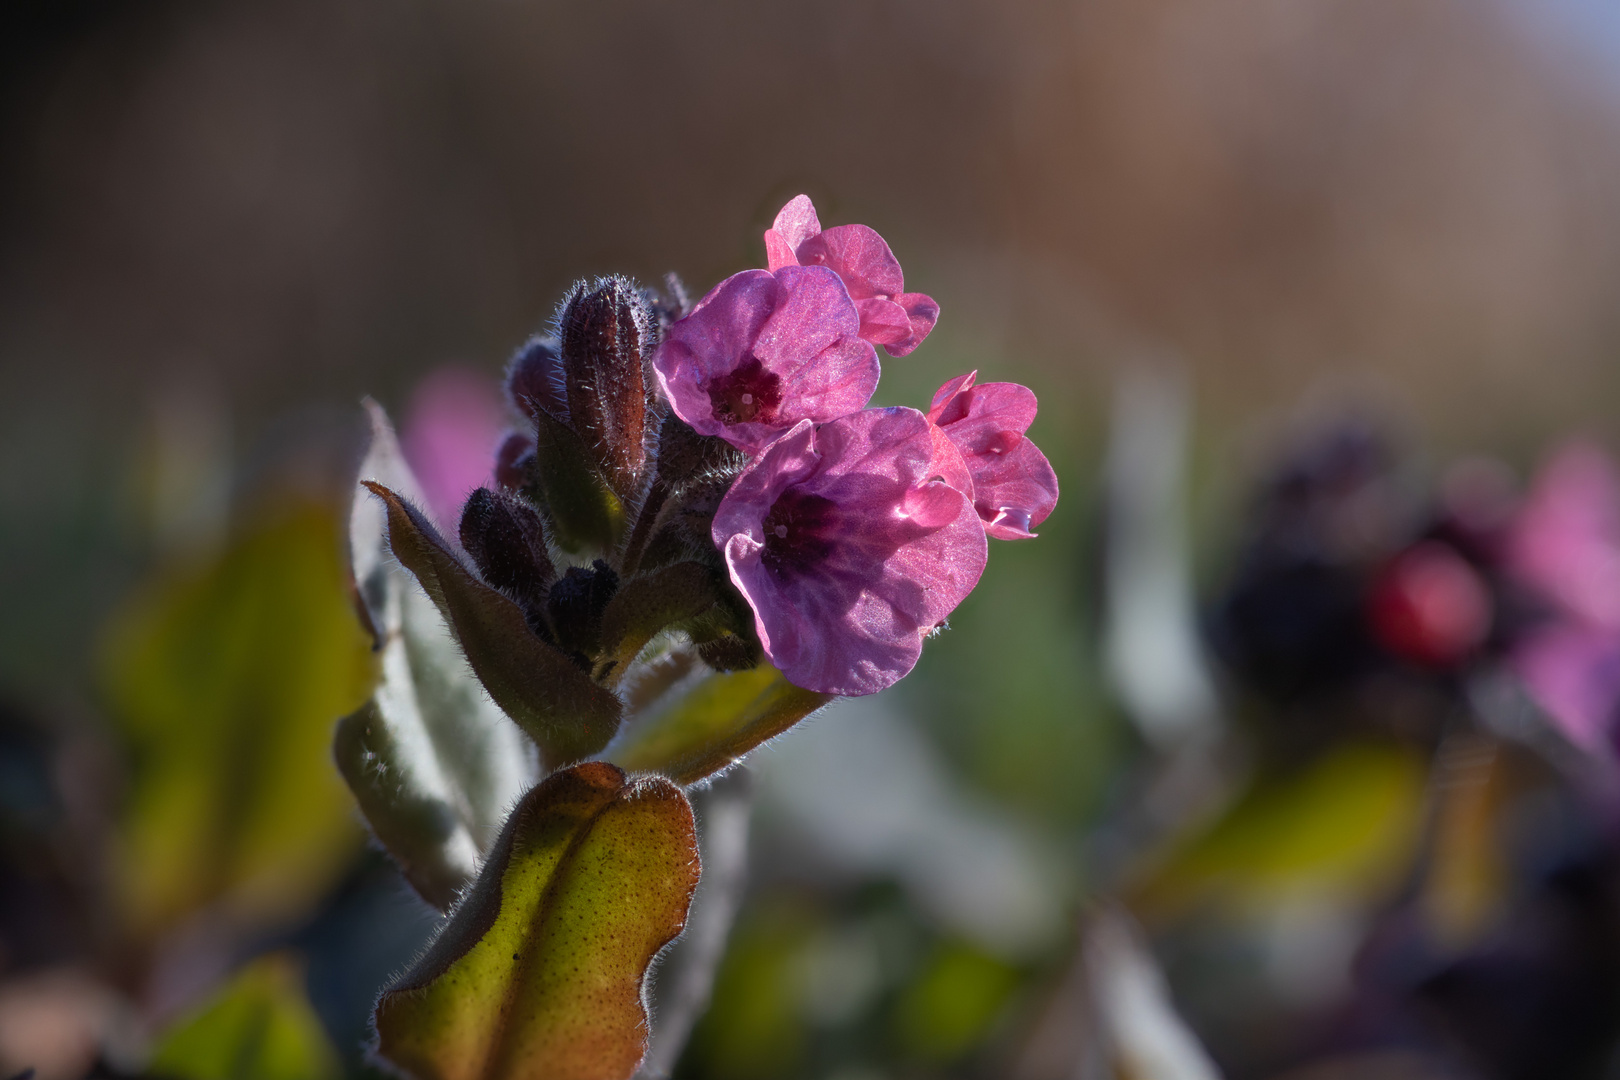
x: 698, y: 535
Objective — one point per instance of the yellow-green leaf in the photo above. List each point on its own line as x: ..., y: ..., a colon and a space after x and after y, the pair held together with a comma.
x: 226, y: 677
x: 715, y: 723
x: 540, y: 970
x: 566, y: 713
x: 259, y: 1027
x: 1345, y: 826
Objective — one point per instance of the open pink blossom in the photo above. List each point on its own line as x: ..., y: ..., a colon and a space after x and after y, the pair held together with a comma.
x: 850, y: 544
x: 890, y: 316
x: 1014, y: 487
x: 765, y: 350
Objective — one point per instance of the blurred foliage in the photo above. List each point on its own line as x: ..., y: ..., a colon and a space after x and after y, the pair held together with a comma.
x: 258, y: 1027
x: 958, y: 996
x: 756, y: 1024
x: 1346, y: 825
x: 226, y: 676
x: 1013, y: 690
x: 850, y: 984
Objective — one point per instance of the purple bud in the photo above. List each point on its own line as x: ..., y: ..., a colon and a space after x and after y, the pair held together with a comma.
x: 534, y: 380
x: 506, y: 540
x: 575, y: 606
x: 512, y: 461
x: 605, y: 334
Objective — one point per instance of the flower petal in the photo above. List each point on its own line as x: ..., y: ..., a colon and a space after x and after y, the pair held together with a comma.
x: 858, y: 255
x: 778, y: 252
x: 923, y: 313
x: 722, y: 328
x: 947, y: 393
x: 884, y: 322
x: 796, y: 222
x: 1015, y: 492
x: 948, y: 464
x: 1573, y: 673
x: 787, y: 461
x: 812, y: 311
x: 1014, y: 487
x: 978, y: 418
x: 840, y: 380
x: 1566, y: 541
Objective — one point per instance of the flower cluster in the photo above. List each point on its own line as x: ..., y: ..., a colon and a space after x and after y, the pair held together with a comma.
x: 714, y: 469
x: 851, y: 532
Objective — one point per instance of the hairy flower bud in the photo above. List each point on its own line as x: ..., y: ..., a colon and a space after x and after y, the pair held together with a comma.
x: 576, y: 603
x: 534, y: 380
x: 605, y: 334
x: 507, y: 542
x: 514, y: 459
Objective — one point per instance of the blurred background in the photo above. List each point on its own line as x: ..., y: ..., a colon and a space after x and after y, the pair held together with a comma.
x: 1266, y: 759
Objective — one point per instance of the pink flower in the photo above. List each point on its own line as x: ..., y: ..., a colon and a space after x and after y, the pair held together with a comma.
x: 1573, y: 673
x: 1565, y: 544
x: 850, y: 544
x: 1566, y: 540
x: 890, y: 316
x: 451, y: 429
x: 1014, y: 487
x: 765, y: 350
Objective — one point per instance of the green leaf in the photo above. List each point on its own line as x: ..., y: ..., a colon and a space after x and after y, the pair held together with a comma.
x: 647, y: 605
x: 225, y: 676
x: 259, y: 1027
x: 540, y: 970
x: 715, y: 723
x: 433, y: 763
x: 1346, y: 826
x: 562, y: 709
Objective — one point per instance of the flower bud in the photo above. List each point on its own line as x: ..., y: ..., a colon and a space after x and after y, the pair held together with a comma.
x: 513, y: 461
x: 507, y: 542
x: 576, y: 603
x: 605, y: 333
x: 534, y: 380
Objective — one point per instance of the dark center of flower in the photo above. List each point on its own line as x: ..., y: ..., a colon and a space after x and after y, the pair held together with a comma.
x: 748, y: 393
x: 799, y: 534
